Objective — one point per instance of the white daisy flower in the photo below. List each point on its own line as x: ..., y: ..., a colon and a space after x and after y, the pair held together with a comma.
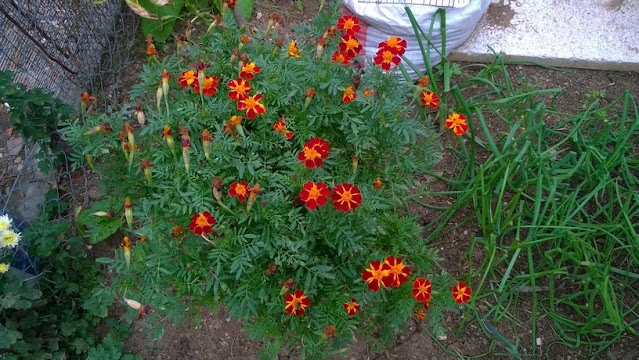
x: 9, y: 238
x: 5, y: 223
x: 4, y: 267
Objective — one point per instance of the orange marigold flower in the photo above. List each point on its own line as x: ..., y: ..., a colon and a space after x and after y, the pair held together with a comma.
x: 86, y: 98
x: 423, y: 81
x: 249, y: 70
x: 346, y: 197
x: 457, y: 122
x: 151, y: 51
x: 314, y: 195
x: 296, y: 303
x: 146, y: 164
x: 293, y: 51
x: 348, y: 24
x: 280, y: 127
x: 352, y: 307
x: 431, y: 99
x: 377, y: 276
x: 399, y: 273
x: 350, y: 46
x: 235, y: 120
x: 330, y: 31
x: 177, y: 231
x: 342, y: 58
x: 239, y: 89
x: 230, y: 3
x: 315, y: 151
x: 239, y: 189
x: 421, y: 289
x: 395, y: 45
x: 348, y: 95
x: 202, y: 223
x: 368, y: 93
x: 385, y: 57
x: 378, y: 184
x: 206, y: 135
x: 419, y: 314
x: 126, y: 243
x: 311, y: 93
x: 252, y: 106
x: 461, y: 293
x: 244, y: 39
x: 209, y: 87
x: 330, y: 331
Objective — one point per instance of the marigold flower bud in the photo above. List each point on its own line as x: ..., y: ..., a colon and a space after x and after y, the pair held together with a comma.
x: 139, y: 114
x: 186, y: 146
x: 165, y: 83
x: 107, y: 214
x: 253, y: 192
x: 243, y: 60
x: 158, y: 96
x: 378, y: 184
x: 146, y: 166
x: 128, y: 212
x: 168, y: 135
x: 184, y: 132
x: 206, y: 143
x: 355, y: 163
x: 216, y: 186
x: 321, y: 44
x: 310, y: 94
x: 126, y: 245
x: 89, y: 158
x: 234, y: 55
x: 188, y: 30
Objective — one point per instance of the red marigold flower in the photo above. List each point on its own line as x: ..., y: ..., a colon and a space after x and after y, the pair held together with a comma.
x: 427, y: 304
x: 314, y: 195
x: 202, y: 223
x: 461, y: 293
x: 210, y: 85
x: 348, y: 95
x: 422, y: 289
x: 457, y: 122
x: 429, y: 98
x: 249, y: 70
x: 399, y: 273
x: 348, y: 24
x: 239, y: 89
x: 314, y: 153
x: 342, y: 58
x: 239, y: 189
x: 281, y: 128
x: 350, y: 46
x: 296, y: 303
x: 377, y: 276
x: 252, y: 106
x: 420, y: 314
x: 86, y: 98
x: 188, y: 78
x: 385, y: 58
x: 346, y: 197
x: 394, y: 44
x: 352, y: 307
x: 230, y: 3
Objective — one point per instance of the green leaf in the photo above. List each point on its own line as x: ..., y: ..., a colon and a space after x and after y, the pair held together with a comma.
x: 98, y: 304
x: 8, y: 337
x: 161, y: 29
x: 245, y: 7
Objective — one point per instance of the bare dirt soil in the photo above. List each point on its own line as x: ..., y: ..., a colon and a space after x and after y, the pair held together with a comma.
x: 216, y: 336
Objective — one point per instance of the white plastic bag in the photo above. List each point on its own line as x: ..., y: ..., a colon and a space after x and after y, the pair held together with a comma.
x: 379, y: 22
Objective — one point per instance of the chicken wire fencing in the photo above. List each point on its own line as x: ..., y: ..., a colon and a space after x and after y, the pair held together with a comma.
x: 64, y: 47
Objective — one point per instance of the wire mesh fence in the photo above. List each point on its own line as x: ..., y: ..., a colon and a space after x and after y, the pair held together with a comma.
x: 67, y: 46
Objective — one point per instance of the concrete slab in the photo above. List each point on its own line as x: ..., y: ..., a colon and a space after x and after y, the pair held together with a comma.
x: 592, y: 34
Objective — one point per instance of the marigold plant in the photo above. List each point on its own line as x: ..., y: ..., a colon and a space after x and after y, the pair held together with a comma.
x: 245, y: 184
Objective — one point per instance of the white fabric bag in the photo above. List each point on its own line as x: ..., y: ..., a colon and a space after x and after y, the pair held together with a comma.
x: 379, y: 21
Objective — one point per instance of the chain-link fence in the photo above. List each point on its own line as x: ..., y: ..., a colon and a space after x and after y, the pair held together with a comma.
x: 67, y: 46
